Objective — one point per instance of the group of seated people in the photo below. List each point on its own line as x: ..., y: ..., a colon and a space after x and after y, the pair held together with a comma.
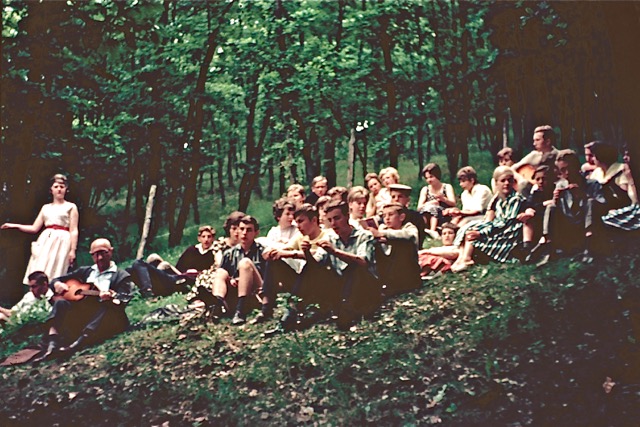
x: 338, y: 253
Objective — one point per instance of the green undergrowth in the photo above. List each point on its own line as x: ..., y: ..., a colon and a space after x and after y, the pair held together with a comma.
x: 497, y: 345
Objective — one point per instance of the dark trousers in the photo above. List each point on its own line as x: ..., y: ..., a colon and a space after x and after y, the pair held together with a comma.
x: 150, y: 278
x: 399, y: 271
x: 566, y: 231
x: 354, y: 292
x: 99, y: 320
x: 278, y: 277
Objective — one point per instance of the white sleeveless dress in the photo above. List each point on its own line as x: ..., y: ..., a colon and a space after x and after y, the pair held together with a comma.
x: 50, y: 253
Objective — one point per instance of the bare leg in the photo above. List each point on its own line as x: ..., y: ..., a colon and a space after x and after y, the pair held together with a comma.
x: 527, y: 232
x: 465, y: 258
x: 220, y: 283
x: 433, y: 223
x: 249, y: 278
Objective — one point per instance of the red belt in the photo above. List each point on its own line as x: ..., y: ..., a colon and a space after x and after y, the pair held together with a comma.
x: 57, y: 227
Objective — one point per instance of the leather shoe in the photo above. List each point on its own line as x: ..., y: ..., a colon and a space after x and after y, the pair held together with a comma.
x: 546, y: 258
x: 239, y: 319
x: 539, y: 251
x: 77, y: 345
x: 52, y: 349
x: 289, y: 320
x: 261, y: 318
x: 273, y: 332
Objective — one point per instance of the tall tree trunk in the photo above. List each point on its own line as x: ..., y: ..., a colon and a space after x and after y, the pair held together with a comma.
x: 386, y: 44
x: 220, y: 159
x: 253, y: 149
x: 194, y: 124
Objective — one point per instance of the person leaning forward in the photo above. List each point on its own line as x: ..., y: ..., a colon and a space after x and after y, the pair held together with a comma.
x: 76, y: 324
x: 341, y: 274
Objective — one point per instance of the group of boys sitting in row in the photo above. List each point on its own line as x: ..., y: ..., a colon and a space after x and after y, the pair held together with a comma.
x: 341, y: 252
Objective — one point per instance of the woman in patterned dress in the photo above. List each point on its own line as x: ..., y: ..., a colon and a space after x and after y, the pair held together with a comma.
x: 56, y: 246
x: 434, y: 198
x: 501, y: 231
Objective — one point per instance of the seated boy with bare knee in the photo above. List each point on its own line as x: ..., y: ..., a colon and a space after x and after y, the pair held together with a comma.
x: 239, y: 278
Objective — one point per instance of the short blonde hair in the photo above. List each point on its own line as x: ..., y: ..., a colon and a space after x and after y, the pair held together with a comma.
x: 502, y: 171
x: 297, y: 188
x: 357, y: 192
x: 390, y: 171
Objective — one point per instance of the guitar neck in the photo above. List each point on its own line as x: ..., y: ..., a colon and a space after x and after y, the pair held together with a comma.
x: 90, y: 293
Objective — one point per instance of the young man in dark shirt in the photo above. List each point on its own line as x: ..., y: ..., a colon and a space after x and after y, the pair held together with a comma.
x: 152, y: 279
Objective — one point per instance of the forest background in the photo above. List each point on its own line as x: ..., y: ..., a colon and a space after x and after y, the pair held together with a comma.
x: 239, y: 99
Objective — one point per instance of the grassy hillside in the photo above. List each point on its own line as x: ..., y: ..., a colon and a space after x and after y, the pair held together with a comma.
x: 498, y: 345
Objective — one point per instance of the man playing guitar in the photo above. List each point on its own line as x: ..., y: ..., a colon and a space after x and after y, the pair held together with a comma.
x: 88, y: 320
x: 543, y: 150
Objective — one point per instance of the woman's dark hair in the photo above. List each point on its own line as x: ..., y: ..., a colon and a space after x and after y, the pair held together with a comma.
x: 605, y: 153
x: 433, y: 169
x: 233, y: 219
x: 279, y: 207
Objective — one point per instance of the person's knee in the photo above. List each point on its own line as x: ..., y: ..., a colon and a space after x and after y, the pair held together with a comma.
x: 245, y: 264
x: 138, y: 263
x: 61, y: 304
x: 154, y: 259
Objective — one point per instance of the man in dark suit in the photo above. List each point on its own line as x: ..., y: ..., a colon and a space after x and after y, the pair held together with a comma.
x: 91, y: 319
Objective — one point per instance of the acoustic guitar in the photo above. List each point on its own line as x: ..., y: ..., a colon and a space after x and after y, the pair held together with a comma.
x: 79, y: 291
x: 527, y: 172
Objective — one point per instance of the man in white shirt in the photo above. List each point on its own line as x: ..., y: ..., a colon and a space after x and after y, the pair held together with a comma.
x: 38, y: 290
x: 92, y: 318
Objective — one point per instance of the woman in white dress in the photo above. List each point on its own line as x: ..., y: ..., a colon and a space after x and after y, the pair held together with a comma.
x: 56, y: 246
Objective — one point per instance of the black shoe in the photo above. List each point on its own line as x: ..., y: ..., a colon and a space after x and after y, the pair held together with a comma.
x: 346, y: 318
x: 146, y: 293
x: 261, y: 318
x: 239, y: 319
x: 77, y: 345
x: 49, y: 353
x: 275, y: 331
x: 289, y: 320
x: 540, y: 250
x: 521, y: 251
x: 310, y: 317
